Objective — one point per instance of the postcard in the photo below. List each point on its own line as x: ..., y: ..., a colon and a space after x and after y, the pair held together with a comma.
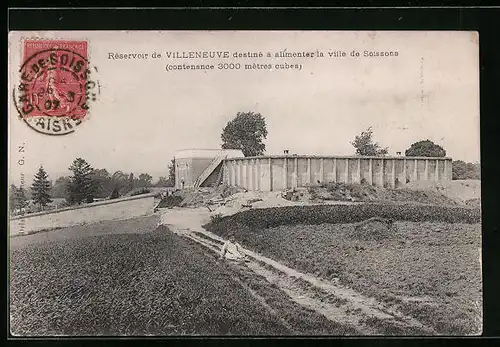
x: 244, y: 183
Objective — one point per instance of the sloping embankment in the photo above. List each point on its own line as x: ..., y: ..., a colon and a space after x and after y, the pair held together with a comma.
x: 334, y: 214
x: 116, y: 209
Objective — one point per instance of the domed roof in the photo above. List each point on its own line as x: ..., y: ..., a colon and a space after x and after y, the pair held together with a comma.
x: 207, y: 153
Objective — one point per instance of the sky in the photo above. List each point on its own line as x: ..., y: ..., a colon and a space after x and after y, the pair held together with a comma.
x: 144, y: 113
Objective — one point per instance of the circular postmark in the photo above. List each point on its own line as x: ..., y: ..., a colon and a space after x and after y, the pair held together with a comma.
x: 57, y: 86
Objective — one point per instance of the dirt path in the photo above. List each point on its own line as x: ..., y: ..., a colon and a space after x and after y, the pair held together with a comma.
x: 337, y: 303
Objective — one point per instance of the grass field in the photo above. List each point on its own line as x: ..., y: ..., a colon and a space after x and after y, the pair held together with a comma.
x: 429, y: 270
x: 129, y: 278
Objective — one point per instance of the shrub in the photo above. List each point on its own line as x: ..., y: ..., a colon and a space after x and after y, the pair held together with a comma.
x: 140, y: 191
x: 461, y: 170
x: 64, y: 204
x: 170, y: 201
x: 114, y: 194
x: 425, y: 148
x: 216, y: 218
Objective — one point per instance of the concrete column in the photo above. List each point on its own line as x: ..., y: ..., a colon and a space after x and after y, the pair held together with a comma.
x: 244, y: 174
x: 335, y: 170
x: 270, y: 174
x: 426, y: 172
x: 382, y: 173
x: 393, y: 173
x: 415, y: 172
x: 445, y: 169
x: 243, y: 169
x: 255, y: 175
x: 359, y: 170
x: 370, y: 172
x: 404, y: 170
x: 257, y: 163
x: 225, y: 173
x: 436, y: 171
x: 322, y: 170
x: 241, y: 180
x: 285, y: 173
x: 236, y: 173
x: 250, y: 175
x: 309, y: 170
x: 296, y: 169
x: 346, y: 179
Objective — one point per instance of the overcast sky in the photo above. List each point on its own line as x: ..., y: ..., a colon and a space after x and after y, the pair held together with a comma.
x: 144, y: 113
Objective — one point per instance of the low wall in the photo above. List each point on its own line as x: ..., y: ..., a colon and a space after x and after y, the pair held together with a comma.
x: 269, y: 173
x: 129, y: 207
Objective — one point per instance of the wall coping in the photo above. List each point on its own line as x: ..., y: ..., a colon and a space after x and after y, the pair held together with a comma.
x: 289, y: 156
x: 77, y: 207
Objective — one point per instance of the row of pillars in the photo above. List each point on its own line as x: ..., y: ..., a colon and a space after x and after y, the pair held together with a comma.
x: 252, y: 180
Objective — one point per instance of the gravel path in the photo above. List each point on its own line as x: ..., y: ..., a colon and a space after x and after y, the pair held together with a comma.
x: 349, y: 307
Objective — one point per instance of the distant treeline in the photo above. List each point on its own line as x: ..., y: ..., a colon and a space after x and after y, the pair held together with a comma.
x: 105, y: 183
x: 85, y: 185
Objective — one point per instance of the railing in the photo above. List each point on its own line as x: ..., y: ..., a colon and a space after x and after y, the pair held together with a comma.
x: 213, y: 165
x: 220, y: 175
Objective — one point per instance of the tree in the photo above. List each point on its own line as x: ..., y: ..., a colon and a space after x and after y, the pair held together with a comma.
x: 12, y: 197
x: 461, y: 170
x: 425, y: 148
x: 365, y: 145
x: 40, y: 188
x: 103, y: 183
x: 17, y: 197
x: 144, y: 180
x: 114, y: 194
x: 119, y: 182
x: 171, y: 174
x: 60, y: 187
x: 82, y: 186
x: 163, y: 182
x: 246, y: 132
x: 130, y: 183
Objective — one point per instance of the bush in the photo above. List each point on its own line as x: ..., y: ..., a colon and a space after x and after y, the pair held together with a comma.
x: 115, y: 194
x: 425, y: 148
x: 170, y: 201
x: 140, y: 191
x: 64, y: 204
x: 216, y: 218
x: 461, y: 170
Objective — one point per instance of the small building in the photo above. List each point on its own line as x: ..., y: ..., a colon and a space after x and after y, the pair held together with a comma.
x: 201, y: 167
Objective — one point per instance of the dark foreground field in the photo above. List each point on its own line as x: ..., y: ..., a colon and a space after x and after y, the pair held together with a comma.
x: 125, y: 278
x: 429, y: 270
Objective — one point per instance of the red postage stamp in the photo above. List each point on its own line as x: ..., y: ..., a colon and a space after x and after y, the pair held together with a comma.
x: 57, y: 85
